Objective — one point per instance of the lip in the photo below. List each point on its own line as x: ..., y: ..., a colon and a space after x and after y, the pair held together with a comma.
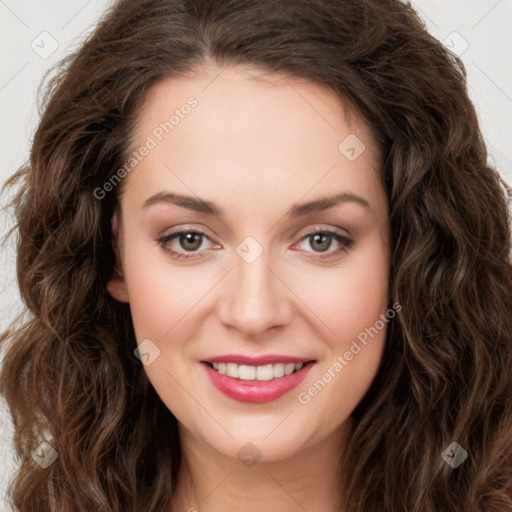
x: 257, y: 391
x: 256, y: 361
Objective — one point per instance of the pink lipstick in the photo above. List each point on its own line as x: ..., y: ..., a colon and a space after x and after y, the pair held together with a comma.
x: 256, y: 379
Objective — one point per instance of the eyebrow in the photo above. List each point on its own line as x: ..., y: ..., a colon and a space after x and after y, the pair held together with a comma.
x: 297, y: 210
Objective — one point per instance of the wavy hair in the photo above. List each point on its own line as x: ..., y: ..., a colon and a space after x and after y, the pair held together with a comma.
x: 70, y: 376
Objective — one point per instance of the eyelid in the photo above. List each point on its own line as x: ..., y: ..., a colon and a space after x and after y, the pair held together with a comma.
x: 324, y: 228
x: 183, y: 227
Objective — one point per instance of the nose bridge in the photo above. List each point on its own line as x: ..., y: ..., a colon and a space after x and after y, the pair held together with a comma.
x: 257, y: 299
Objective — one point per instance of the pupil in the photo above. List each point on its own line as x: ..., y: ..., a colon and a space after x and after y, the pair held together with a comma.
x: 189, y: 238
x: 325, y: 245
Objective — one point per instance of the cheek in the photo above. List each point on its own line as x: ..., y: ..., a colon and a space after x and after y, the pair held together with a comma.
x: 161, y: 292
x: 350, y: 298
x: 350, y: 306
x: 363, y: 297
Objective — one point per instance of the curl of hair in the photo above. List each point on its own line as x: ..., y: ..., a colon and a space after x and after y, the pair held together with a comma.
x: 70, y: 376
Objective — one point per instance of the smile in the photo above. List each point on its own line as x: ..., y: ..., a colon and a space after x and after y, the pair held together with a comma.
x: 246, y: 381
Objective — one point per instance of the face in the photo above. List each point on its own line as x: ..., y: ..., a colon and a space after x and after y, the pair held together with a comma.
x: 257, y: 272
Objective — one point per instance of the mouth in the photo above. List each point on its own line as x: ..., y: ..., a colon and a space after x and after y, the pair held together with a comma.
x: 257, y: 383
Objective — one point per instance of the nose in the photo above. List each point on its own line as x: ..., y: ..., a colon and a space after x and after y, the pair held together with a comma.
x: 255, y: 298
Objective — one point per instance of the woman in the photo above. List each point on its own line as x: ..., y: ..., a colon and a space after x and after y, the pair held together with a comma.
x: 255, y: 369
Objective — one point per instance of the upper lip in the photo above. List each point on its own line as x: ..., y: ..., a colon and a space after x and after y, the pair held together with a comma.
x: 256, y: 361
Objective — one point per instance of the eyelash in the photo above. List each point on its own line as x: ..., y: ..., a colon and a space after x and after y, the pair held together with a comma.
x: 346, y: 243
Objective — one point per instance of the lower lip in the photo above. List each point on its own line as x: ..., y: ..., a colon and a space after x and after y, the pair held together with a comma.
x: 256, y: 391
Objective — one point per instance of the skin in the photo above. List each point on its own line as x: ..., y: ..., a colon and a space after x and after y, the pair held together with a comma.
x: 255, y: 145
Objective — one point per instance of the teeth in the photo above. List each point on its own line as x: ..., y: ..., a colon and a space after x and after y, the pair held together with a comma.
x: 232, y: 370
x: 279, y: 370
x: 265, y: 372
x: 289, y: 368
x: 246, y: 372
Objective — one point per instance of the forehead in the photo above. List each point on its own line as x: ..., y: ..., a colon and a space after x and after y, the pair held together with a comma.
x: 249, y: 136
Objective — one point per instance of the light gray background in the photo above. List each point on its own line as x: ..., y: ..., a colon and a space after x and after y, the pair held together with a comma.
x: 479, y: 30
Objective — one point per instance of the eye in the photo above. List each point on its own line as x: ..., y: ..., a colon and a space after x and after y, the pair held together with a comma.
x: 321, y: 242
x: 188, y: 240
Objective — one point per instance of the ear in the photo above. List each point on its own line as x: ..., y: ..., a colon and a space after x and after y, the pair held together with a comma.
x: 117, y: 284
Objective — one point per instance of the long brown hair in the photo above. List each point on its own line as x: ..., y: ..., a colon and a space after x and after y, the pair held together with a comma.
x: 70, y: 376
